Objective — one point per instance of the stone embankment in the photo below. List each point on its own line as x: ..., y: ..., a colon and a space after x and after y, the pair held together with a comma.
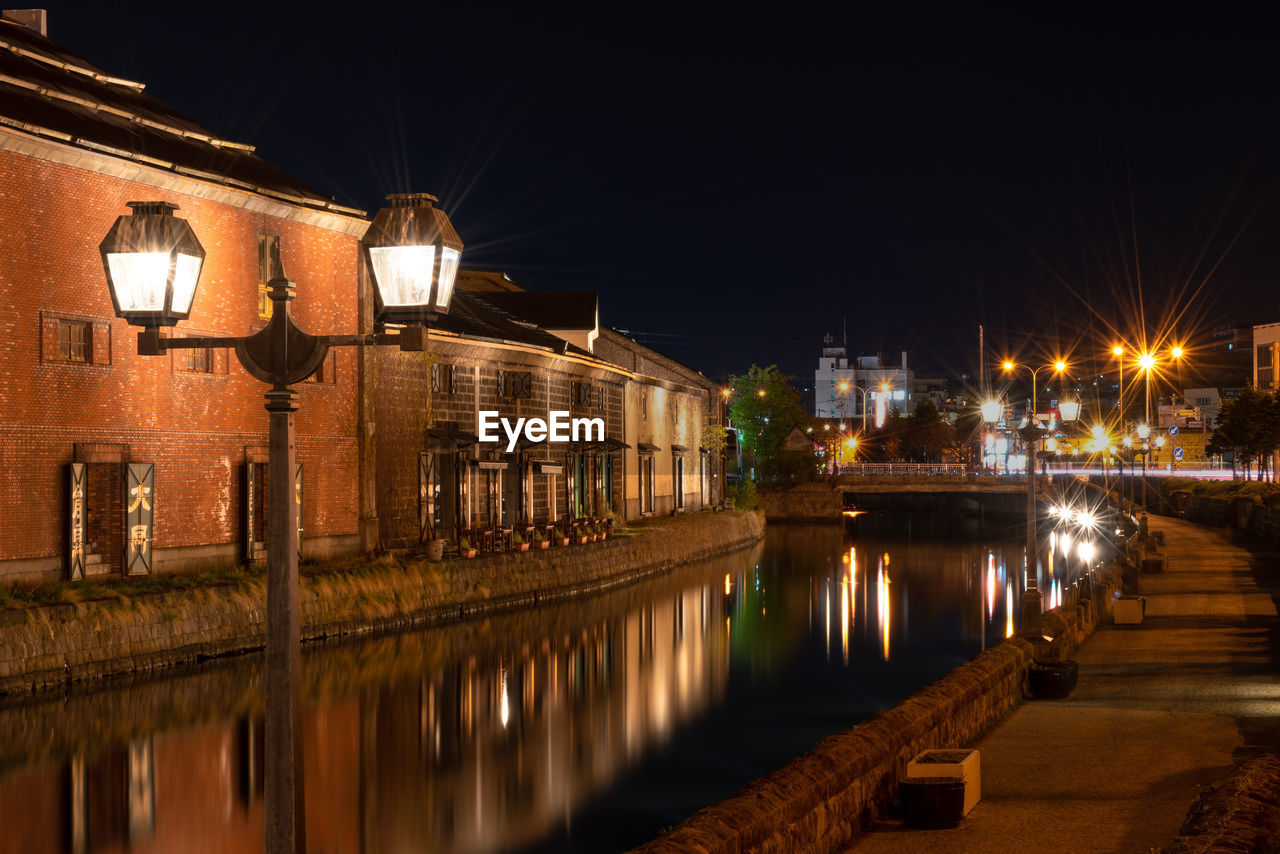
x: 52, y: 645
x: 807, y: 502
x: 819, y: 801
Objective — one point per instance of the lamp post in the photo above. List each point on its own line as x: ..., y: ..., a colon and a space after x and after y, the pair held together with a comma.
x: 1118, y: 352
x: 1144, y: 433
x: 844, y: 386
x: 1031, y: 433
x: 153, y: 261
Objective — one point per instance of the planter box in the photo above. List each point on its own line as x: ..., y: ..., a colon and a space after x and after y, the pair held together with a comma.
x: 963, y: 765
x: 929, y: 803
x: 1130, y: 610
x: 1053, y: 680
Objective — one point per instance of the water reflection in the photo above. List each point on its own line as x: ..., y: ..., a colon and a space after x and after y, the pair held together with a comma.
x: 587, y: 726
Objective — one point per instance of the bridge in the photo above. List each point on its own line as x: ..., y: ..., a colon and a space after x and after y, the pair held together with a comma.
x: 876, y: 487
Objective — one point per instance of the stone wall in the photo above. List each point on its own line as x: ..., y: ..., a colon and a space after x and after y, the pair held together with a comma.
x: 807, y: 502
x: 47, y: 646
x: 1240, y: 813
x: 820, y: 801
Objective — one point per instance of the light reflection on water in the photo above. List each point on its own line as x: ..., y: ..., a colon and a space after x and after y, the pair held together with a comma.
x: 585, y: 726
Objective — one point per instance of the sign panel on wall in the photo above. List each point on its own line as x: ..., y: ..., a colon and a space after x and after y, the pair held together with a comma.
x: 139, y: 502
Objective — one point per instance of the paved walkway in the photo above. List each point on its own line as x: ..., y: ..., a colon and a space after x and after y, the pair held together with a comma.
x: 1159, y: 710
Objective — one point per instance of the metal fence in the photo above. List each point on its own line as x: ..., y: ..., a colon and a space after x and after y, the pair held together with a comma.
x: 903, y: 468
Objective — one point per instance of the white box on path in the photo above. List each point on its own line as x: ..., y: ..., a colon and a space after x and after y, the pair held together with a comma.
x: 958, y: 764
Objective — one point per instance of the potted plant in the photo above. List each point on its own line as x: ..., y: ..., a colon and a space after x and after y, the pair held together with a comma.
x: 517, y: 540
x: 580, y: 530
x: 541, y: 540
x: 465, y: 549
x: 561, y: 539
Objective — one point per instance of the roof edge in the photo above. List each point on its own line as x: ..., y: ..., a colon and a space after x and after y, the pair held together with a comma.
x: 27, y: 141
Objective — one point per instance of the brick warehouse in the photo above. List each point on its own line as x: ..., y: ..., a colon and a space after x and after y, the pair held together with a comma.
x: 73, y: 390
x: 489, y: 354
x: 82, y: 414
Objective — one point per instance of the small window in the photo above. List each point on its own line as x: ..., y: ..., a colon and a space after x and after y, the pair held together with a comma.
x: 644, y: 406
x: 444, y: 378
x: 269, y: 267
x: 75, y: 341
x: 582, y: 394
x: 198, y: 360
x: 516, y: 385
x: 602, y: 398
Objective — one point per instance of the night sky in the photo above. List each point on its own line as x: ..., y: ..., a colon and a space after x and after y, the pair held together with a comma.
x: 736, y: 186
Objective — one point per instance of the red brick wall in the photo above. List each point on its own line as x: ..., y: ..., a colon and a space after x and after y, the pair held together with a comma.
x: 193, y: 427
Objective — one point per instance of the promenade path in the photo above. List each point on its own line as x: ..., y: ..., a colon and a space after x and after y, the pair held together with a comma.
x: 1159, y: 710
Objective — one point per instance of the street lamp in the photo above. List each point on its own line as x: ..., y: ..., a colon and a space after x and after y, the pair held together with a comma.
x: 153, y: 261
x: 1118, y: 352
x: 1031, y: 432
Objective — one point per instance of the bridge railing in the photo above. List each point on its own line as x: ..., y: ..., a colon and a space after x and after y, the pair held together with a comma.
x: 913, y: 469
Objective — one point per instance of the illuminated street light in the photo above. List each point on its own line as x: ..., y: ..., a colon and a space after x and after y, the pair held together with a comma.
x: 152, y: 262
x: 1031, y: 433
x: 991, y: 410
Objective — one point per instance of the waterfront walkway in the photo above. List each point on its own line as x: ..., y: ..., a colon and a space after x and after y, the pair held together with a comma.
x: 1160, y: 709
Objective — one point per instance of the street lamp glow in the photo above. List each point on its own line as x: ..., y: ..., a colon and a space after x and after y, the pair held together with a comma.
x: 152, y: 260
x: 1117, y: 350
x: 1008, y: 366
x: 844, y: 386
x: 413, y: 252
x: 1144, y: 431
x: 884, y: 386
x: 1176, y: 352
x: 760, y: 393
x: 1059, y: 366
x: 991, y: 411
x: 1069, y: 410
x: 1098, y: 432
x: 1147, y: 361
x: 724, y: 392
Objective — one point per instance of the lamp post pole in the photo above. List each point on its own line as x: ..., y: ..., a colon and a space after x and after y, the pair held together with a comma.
x: 152, y: 261
x: 1031, y: 433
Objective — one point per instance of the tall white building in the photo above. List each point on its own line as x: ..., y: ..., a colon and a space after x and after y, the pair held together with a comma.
x: 843, y: 387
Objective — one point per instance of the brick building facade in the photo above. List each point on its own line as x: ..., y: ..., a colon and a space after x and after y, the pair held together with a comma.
x: 73, y: 389
x: 112, y: 463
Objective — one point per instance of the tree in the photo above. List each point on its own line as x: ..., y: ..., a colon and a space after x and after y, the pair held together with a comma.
x: 764, y: 420
x: 966, y: 439
x: 1248, y: 429
x: 927, y: 434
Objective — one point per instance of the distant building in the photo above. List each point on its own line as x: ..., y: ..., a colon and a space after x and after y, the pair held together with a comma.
x: 1266, y: 356
x: 842, y: 387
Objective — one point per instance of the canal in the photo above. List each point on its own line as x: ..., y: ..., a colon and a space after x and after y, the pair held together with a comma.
x: 589, y: 726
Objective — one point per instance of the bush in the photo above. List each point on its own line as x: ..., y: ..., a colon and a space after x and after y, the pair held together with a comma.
x: 743, y: 495
x: 789, y: 468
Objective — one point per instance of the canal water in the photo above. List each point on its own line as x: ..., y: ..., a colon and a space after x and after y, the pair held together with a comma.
x: 590, y: 726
